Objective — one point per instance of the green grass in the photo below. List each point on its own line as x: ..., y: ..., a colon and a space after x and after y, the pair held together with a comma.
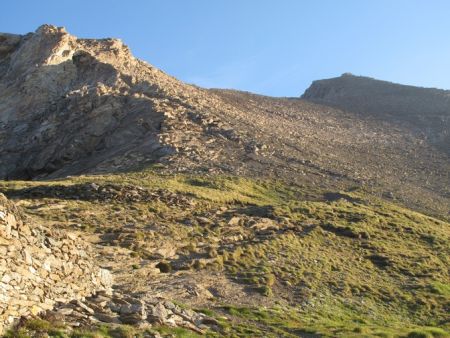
x: 335, y: 265
x: 42, y: 328
x: 243, y: 322
x: 177, y: 332
x: 288, y: 322
x: 442, y: 289
x: 357, y: 266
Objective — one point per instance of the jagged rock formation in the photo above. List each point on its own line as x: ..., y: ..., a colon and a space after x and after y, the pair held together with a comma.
x: 71, y: 106
x: 74, y: 105
x: 424, y: 110
x: 66, y: 100
x: 40, y: 267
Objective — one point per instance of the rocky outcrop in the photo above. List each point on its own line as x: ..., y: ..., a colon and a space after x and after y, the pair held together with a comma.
x: 66, y: 100
x: 40, y: 267
x: 137, y: 310
x: 71, y: 106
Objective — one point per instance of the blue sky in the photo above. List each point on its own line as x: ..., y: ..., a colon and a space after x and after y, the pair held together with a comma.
x: 273, y: 47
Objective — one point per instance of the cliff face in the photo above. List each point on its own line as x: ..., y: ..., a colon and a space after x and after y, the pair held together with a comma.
x: 424, y: 110
x: 40, y: 266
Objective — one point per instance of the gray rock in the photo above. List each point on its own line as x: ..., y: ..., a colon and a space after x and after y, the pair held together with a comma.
x: 107, y: 318
x: 157, y: 313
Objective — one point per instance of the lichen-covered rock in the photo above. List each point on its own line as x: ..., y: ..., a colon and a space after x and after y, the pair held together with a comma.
x: 40, y: 266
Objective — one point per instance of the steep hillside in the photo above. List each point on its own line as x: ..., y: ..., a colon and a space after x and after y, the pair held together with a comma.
x: 71, y: 106
x: 324, y: 146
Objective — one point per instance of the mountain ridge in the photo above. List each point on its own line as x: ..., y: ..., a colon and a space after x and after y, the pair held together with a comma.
x: 102, y: 110
x: 352, y: 75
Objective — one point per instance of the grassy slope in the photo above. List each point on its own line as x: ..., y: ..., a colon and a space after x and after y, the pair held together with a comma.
x: 346, y: 265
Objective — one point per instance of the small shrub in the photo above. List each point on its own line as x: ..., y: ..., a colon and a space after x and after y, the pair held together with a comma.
x: 270, y: 279
x: 198, y: 264
x: 266, y: 291
x: 38, y: 325
x: 57, y: 334
x: 164, y: 267
x: 441, y: 288
x: 382, y: 334
x: 237, y: 254
x: 419, y: 334
x: 19, y: 333
x: 437, y: 332
x: 212, y: 252
x: 122, y: 332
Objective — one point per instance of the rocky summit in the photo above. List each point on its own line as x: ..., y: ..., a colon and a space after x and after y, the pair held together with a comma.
x: 424, y: 111
x: 136, y: 205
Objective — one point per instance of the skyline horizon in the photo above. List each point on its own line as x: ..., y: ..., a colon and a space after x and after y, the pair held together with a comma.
x: 267, y: 48
x: 227, y: 88
x: 243, y: 90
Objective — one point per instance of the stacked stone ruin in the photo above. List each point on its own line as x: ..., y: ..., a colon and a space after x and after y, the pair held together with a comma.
x: 40, y: 267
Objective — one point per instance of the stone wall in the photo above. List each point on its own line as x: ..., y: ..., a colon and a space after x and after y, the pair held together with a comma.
x: 40, y: 266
